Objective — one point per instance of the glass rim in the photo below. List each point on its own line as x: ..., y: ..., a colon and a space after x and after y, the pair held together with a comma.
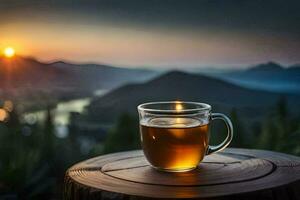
x: 202, y: 107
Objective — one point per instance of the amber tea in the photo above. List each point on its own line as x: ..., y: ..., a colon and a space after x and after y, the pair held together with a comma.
x: 174, y: 143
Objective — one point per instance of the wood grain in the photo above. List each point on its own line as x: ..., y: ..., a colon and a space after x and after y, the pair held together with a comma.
x: 234, y: 173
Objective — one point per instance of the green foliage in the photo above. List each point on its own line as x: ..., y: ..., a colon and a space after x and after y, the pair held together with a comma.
x: 238, y: 131
x: 48, y: 148
x: 280, y: 132
x: 124, y: 136
x: 17, y: 152
x: 32, y: 159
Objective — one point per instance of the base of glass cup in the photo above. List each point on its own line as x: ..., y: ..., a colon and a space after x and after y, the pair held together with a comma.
x: 173, y: 170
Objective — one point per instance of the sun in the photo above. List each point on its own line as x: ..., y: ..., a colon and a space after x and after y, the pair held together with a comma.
x: 9, y: 52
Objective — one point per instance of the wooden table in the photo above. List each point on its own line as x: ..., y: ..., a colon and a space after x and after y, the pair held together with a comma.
x: 231, y: 174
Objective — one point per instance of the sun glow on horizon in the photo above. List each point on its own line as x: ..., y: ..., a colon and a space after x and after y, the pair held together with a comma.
x: 9, y: 52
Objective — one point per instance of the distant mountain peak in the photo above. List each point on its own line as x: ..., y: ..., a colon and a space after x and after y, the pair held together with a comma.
x: 21, y: 60
x: 178, y: 77
x: 59, y: 62
x: 173, y: 75
x: 269, y: 66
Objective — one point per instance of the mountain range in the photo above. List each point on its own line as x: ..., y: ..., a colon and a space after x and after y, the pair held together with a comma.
x: 176, y: 85
x: 269, y: 76
x: 21, y: 72
x: 62, y: 78
x: 96, y: 76
x: 26, y: 77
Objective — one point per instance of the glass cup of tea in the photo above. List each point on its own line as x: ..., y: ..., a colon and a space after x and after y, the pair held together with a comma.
x: 175, y: 135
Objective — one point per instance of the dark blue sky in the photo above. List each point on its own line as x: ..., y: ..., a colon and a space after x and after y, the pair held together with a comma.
x: 154, y: 32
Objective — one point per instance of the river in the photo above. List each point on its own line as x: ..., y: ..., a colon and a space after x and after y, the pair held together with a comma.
x: 61, y: 113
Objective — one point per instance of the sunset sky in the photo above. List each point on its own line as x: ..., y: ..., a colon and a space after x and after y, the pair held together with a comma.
x: 154, y: 32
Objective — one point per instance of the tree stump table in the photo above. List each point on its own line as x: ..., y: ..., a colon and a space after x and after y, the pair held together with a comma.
x: 231, y: 174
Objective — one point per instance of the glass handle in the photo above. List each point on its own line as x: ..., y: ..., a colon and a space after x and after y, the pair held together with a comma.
x: 226, y: 142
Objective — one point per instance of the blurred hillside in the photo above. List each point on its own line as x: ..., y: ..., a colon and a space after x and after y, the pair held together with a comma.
x: 224, y: 96
x: 26, y: 79
x: 268, y: 76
